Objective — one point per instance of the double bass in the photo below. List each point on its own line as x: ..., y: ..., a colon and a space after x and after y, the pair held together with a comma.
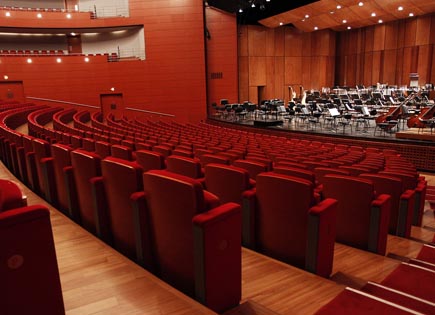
x: 420, y: 120
x: 394, y: 112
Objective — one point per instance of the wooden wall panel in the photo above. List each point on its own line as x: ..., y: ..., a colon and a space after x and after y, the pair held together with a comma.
x: 243, y: 78
x: 269, y: 88
x: 257, y: 71
x: 391, y: 35
x: 379, y: 38
x: 293, y: 42
x: 389, y: 66
x: 410, y: 32
x: 292, y: 70
x: 270, y: 42
x: 424, y: 65
x: 257, y: 41
x: 279, y: 78
x: 422, y: 30
x: 377, y: 61
x: 221, y: 56
x: 243, y: 41
x: 279, y: 42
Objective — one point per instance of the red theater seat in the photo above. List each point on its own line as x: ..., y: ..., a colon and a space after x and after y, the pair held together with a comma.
x: 195, y: 243
x: 11, y: 196
x: 111, y: 191
x: 362, y: 216
x: 185, y: 166
x: 150, y: 160
x: 121, y: 152
x: 253, y: 167
x: 281, y: 219
x: 29, y: 272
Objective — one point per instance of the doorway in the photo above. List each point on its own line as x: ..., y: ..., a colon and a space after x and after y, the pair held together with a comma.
x: 112, y: 103
x: 12, y: 91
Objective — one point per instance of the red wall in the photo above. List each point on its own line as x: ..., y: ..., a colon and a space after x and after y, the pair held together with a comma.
x: 171, y: 80
x: 221, y: 56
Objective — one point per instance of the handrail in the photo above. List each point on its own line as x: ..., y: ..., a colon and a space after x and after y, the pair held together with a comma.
x: 149, y: 112
x: 60, y: 101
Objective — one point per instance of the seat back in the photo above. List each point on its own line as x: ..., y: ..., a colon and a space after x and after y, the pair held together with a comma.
x: 296, y: 172
x: 61, y: 158
x: 320, y: 172
x: 172, y: 201
x: 121, y: 152
x: 121, y: 178
x: 11, y: 196
x: 29, y: 270
x: 282, y: 205
x: 226, y: 181
x: 102, y: 148
x: 253, y: 167
x: 150, y: 160
x: 86, y: 165
x: 42, y: 150
x: 213, y: 158
x: 355, y: 196
x: 189, y: 167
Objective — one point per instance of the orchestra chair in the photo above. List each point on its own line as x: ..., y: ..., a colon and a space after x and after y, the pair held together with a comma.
x: 252, y: 167
x: 149, y: 160
x: 362, y: 216
x: 282, y: 220
x: 402, y: 202
x: 355, y: 302
x: 190, y: 167
x: 121, y: 152
x: 190, y: 240
x: 111, y: 194
x: 29, y: 270
x: 84, y: 166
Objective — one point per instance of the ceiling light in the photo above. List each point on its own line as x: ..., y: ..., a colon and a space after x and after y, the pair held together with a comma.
x: 267, y: 0
x: 349, y: 27
x: 8, y: 13
x: 303, y: 20
x: 86, y: 59
x: 338, y: 7
x: 253, y: 5
x: 373, y: 14
x: 411, y: 14
x: 29, y: 60
x: 307, y: 16
x: 281, y: 23
x: 380, y: 21
x: 68, y: 16
x: 344, y: 21
x: 73, y: 34
x: 316, y: 28
x: 112, y: 89
x: 331, y: 12
x: 39, y: 15
x: 58, y: 60
x: 360, y: 3
x: 400, y: 8
x: 240, y: 10
x: 5, y: 77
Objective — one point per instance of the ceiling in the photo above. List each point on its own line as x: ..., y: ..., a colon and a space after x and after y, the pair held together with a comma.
x: 338, y: 15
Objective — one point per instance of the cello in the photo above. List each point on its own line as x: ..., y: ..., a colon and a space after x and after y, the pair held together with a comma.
x: 420, y: 120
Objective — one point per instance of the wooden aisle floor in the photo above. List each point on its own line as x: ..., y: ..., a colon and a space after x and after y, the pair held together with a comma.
x: 98, y: 280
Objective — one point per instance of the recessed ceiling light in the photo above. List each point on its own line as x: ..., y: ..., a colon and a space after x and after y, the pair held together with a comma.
x: 29, y: 60
x: 332, y: 12
x: 316, y: 28
x: 380, y: 21
x: 8, y: 13
x: 307, y: 16
x: 73, y: 34
x: 281, y: 23
x: 344, y: 21
x: 39, y: 15
x: 58, y: 60
x: 240, y: 10
x: 360, y: 3
x: 303, y: 20
x: 253, y: 5
x: 373, y: 14
x: 411, y: 14
x: 5, y: 77
x: 112, y: 89
x: 68, y: 16
x: 349, y: 27
x: 86, y: 59
x: 338, y: 7
x: 400, y: 8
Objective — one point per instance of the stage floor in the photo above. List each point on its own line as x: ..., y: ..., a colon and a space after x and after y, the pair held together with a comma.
x: 361, y: 129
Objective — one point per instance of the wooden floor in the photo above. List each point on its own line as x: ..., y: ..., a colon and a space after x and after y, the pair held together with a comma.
x: 98, y: 280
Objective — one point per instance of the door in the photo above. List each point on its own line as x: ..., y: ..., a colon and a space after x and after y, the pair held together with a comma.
x: 112, y: 103
x: 11, y: 91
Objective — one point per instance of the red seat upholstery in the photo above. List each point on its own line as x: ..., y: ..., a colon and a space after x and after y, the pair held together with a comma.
x: 351, y: 301
x: 88, y: 144
x: 150, y: 160
x: 61, y: 161
x: 321, y: 172
x: 29, y: 271
x: 284, y: 224
x: 41, y: 149
x: 402, y: 202
x: 253, y: 167
x: 195, y: 243
x: 112, y: 191
x: 213, y: 158
x: 102, y: 148
x: 189, y: 167
x: 362, y: 217
x: 122, y: 152
x: 85, y: 165
x: 11, y: 196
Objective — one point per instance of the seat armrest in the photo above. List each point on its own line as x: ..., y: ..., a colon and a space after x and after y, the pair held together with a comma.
x: 406, y: 211
x: 248, y: 218
x: 142, y: 231
x: 379, y: 222
x: 321, y: 237
x: 217, y: 257
x: 210, y: 200
x: 100, y: 206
